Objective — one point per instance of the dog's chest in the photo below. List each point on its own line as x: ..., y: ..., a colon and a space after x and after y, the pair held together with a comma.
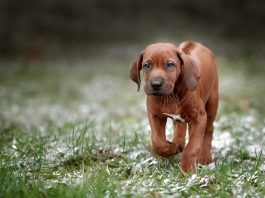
x: 165, y: 108
x: 173, y: 112
x: 170, y: 109
x: 176, y: 117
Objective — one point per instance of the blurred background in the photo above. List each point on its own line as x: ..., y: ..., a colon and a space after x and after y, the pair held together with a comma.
x: 70, y: 58
x: 40, y: 29
x: 71, y: 120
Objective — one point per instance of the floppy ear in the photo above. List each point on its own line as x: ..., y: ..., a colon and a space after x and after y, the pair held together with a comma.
x: 190, y: 70
x: 135, y: 71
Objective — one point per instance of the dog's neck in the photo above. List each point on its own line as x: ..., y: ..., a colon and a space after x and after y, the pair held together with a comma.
x: 169, y: 99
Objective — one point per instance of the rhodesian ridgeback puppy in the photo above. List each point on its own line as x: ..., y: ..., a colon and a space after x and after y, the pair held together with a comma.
x: 180, y: 83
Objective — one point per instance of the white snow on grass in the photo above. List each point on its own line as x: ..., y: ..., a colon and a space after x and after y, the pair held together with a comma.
x: 222, y: 142
x: 119, y: 105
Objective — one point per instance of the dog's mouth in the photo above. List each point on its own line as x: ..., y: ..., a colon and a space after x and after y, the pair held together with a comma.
x: 157, y: 94
x: 166, y: 89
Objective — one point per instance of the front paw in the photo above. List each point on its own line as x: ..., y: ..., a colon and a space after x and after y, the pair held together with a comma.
x: 188, y: 163
x: 180, y: 144
x: 181, y: 147
x: 205, y: 158
x: 165, y: 150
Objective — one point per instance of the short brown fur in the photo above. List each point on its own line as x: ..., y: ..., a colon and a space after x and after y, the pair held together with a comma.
x: 180, y: 80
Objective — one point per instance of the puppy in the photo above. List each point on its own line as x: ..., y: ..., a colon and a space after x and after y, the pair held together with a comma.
x: 180, y: 83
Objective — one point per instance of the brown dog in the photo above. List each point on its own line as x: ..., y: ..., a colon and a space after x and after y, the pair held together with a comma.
x: 180, y: 83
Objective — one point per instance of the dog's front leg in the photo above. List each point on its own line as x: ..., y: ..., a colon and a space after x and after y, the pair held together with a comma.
x: 160, y: 144
x: 192, y: 150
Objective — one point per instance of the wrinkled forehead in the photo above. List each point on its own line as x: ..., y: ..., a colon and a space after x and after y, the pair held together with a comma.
x: 160, y: 50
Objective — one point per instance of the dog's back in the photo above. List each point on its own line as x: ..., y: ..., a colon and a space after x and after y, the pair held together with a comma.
x: 205, y: 61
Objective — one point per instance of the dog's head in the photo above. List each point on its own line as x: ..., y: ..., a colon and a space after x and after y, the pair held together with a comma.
x: 162, y: 65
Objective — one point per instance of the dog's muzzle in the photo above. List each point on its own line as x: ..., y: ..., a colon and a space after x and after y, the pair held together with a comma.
x: 156, y: 84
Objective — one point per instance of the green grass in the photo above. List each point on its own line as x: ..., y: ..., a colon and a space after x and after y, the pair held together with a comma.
x: 76, y: 131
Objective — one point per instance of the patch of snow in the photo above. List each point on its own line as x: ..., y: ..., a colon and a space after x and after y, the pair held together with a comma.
x: 14, y: 147
x: 133, y: 155
x: 262, y: 167
x: 57, y: 152
x: 140, y: 167
x: 240, y: 180
x: 222, y: 141
x: 254, y: 150
x: 69, y: 178
x: 14, y: 143
x: 191, y: 180
x: 149, y: 161
x: 211, y: 166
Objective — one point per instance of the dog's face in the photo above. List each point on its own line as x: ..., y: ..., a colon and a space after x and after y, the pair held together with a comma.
x: 161, y: 68
x: 162, y: 64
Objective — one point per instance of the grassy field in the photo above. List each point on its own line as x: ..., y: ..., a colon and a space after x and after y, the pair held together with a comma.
x: 79, y: 129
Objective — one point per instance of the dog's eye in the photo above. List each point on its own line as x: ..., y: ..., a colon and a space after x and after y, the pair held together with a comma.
x: 170, y: 65
x: 146, y: 66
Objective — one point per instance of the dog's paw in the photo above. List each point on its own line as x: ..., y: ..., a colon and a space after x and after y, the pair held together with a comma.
x: 188, y: 167
x: 205, y: 159
x: 181, y: 148
x: 166, y: 149
x: 188, y: 163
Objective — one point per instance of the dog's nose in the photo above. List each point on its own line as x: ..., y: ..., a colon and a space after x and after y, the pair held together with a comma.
x: 156, y: 82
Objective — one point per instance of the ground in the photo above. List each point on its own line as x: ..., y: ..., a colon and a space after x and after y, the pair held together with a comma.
x: 79, y: 129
